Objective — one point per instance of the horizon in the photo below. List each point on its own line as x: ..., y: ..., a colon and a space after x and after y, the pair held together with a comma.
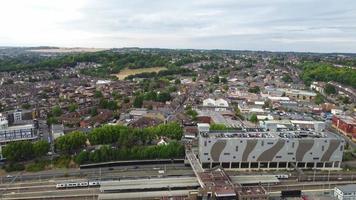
x: 178, y: 49
x: 276, y: 26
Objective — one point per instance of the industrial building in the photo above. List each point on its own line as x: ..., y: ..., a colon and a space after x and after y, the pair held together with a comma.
x: 260, y: 149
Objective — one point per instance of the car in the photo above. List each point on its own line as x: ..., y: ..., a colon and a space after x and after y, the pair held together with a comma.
x: 9, y: 176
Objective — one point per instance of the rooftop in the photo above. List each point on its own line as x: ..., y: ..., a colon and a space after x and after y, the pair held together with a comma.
x: 348, y: 119
x: 262, y: 133
x: 347, y: 188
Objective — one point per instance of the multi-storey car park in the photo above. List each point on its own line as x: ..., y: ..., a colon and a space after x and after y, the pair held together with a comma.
x: 257, y: 148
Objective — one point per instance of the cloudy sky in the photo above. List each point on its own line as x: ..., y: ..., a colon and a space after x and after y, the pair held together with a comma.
x: 277, y: 25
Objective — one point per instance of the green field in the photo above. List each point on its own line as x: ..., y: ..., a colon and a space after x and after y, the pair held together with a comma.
x: 127, y: 72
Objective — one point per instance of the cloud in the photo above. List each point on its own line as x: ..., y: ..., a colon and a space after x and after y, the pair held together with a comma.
x: 300, y: 25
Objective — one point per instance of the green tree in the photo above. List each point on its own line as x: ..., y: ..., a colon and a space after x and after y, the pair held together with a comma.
x: 254, y: 118
x: 72, y: 107
x: 254, y: 89
x: 98, y: 94
x: 93, y: 111
x: 163, y: 97
x: 26, y: 106
x: 82, y: 157
x: 286, y: 78
x: 52, y: 120
x: 70, y: 142
x: 192, y: 113
x: 56, y: 111
x: 41, y: 148
x: 18, y: 151
x: 319, y: 99
x: 138, y: 101
x: 329, y: 89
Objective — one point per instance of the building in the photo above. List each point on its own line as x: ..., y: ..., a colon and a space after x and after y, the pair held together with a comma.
x: 260, y: 149
x: 346, y: 125
x: 17, y: 116
x: 318, y: 86
x: 274, y: 125
x: 217, y: 105
x: 57, y: 130
x: 345, y: 192
x: 218, y: 117
x: 15, y: 133
x: 300, y: 95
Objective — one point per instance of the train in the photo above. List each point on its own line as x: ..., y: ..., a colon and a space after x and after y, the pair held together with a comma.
x: 78, y: 184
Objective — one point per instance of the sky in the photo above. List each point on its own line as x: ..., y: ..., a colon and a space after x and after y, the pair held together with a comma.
x: 273, y: 25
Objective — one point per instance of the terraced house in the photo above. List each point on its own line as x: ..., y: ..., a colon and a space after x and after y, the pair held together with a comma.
x: 261, y: 149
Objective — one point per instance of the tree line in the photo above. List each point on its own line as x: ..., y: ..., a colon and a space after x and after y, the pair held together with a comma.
x: 25, y: 150
x: 108, y: 153
x: 117, y: 135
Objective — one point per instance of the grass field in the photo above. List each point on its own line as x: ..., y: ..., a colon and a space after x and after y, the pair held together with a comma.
x: 127, y: 72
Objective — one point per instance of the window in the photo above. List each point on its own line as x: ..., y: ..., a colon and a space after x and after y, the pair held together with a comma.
x: 205, y: 143
x: 316, y: 158
x: 292, y: 144
x: 290, y: 153
x: 341, y: 148
x: 206, y: 154
x: 278, y: 156
x: 262, y: 143
x: 226, y: 154
x: 270, y: 143
x: 322, y: 148
x: 237, y: 148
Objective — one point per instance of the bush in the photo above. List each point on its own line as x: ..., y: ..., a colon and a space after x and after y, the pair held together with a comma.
x: 62, y: 162
x: 36, y: 166
x: 14, y: 167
